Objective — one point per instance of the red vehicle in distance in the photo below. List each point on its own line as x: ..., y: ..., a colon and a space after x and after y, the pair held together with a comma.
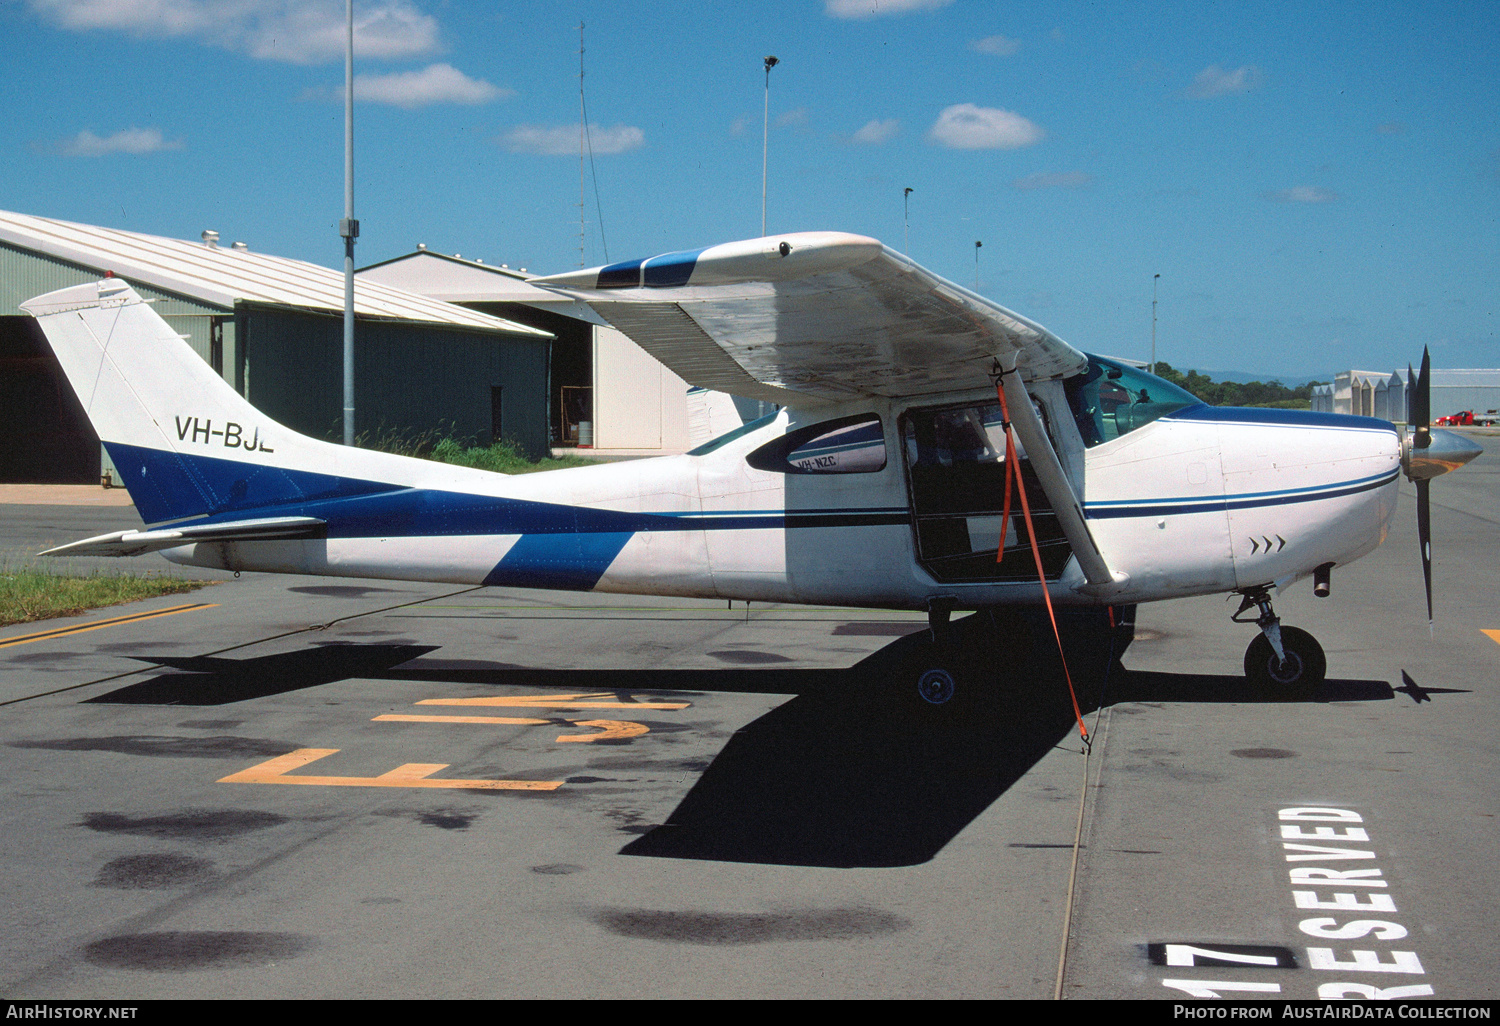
x: 1466, y: 418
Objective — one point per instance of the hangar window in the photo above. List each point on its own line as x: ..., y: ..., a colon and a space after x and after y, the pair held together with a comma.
x: 849, y: 445
x: 1111, y: 399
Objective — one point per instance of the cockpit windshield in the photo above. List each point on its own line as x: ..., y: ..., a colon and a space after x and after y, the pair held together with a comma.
x: 1112, y: 399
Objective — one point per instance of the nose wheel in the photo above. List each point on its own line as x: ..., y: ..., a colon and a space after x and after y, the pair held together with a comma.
x: 1280, y: 659
x: 1303, y: 667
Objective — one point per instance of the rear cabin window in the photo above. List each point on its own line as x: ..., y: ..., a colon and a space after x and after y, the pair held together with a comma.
x: 1111, y: 399
x: 849, y: 445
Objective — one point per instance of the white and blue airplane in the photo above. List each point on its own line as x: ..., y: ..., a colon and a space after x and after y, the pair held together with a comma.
x: 878, y: 481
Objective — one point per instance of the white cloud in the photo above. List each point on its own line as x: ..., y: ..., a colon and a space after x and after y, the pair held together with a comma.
x: 1215, y: 81
x: 298, y: 31
x: 739, y: 125
x: 1054, y: 180
x: 877, y: 8
x: 130, y: 140
x: 1302, y: 194
x: 562, y: 140
x: 792, y: 119
x: 877, y: 131
x: 437, y: 83
x: 966, y: 126
x: 998, y: 46
x: 1391, y: 128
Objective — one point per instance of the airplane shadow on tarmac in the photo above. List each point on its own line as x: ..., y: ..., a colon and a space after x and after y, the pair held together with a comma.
x: 855, y: 770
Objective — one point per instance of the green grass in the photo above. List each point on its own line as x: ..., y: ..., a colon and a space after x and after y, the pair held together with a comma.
x: 439, y: 444
x: 28, y: 594
x: 501, y: 457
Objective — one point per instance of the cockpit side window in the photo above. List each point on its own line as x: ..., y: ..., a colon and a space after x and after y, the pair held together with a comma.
x: 1111, y: 399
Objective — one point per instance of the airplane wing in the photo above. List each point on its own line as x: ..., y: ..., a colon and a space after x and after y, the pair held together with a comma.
x: 812, y: 318
x: 133, y: 543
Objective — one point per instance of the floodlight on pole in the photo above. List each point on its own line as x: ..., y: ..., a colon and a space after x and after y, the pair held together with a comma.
x: 765, y: 143
x: 977, y: 244
x: 349, y: 227
x: 906, y: 220
x: 1154, y: 280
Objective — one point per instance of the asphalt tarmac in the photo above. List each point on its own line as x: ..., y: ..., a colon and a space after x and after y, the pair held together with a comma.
x: 313, y: 787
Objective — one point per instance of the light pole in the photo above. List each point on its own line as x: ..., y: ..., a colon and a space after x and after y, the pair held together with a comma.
x: 977, y: 244
x: 906, y: 221
x: 349, y: 227
x: 1154, y: 280
x: 765, y: 144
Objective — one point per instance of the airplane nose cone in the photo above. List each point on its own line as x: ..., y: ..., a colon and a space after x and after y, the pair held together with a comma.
x: 1449, y: 451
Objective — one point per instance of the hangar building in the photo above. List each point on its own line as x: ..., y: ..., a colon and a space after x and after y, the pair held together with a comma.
x: 273, y: 328
x: 1378, y: 394
x: 607, y: 392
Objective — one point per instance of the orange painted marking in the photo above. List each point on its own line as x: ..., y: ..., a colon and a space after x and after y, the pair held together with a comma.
x: 1494, y: 635
x: 406, y: 718
x: 62, y: 632
x: 607, y: 729
x: 554, y: 702
x: 412, y: 774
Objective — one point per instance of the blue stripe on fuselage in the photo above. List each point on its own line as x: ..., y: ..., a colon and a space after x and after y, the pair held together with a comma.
x: 1117, y: 509
x: 173, y: 486
x: 1260, y: 416
x: 564, y: 562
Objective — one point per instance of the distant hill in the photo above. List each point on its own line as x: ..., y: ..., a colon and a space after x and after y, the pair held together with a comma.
x: 1245, y: 377
x: 1220, y: 388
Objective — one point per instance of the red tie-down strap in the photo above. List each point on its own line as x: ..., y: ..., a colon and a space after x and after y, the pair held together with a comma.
x: 1013, y: 472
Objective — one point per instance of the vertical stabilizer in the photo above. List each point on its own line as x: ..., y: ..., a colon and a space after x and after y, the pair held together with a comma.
x: 185, y: 443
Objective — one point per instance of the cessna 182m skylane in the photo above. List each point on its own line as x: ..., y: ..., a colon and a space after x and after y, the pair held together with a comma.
x: 880, y: 482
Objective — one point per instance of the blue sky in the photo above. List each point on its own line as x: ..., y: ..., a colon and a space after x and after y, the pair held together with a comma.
x: 1317, y: 184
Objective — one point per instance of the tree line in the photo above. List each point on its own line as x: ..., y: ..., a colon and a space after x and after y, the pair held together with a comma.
x: 1235, y: 393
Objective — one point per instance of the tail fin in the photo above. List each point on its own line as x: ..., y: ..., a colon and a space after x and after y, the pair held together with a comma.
x: 185, y: 443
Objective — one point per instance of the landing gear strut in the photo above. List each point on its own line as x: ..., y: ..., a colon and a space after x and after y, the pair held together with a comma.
x: 1280, y: 658
x: 938, y: 683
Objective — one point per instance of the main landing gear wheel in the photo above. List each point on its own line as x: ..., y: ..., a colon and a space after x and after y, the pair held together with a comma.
x: 1304, y: 669
x: 936, y: 686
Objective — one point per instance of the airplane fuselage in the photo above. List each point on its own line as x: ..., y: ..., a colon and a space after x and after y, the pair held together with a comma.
x: 1201, y: 500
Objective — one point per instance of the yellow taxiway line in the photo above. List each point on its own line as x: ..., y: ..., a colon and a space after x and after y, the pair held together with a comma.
x: 79, y: 628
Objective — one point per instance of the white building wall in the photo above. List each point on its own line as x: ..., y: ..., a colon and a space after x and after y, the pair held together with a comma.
x: 638, y: 403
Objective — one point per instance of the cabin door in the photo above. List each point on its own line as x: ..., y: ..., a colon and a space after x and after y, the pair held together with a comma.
x: 955, y: 467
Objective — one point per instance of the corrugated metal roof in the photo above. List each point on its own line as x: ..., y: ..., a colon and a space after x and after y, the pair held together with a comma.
x: 224, y: 276
x: 456, y: 280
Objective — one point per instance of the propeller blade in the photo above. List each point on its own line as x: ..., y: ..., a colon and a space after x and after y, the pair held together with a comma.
x: 1424, y: 539
x: 1411, y: 398
x: 1421, y: 412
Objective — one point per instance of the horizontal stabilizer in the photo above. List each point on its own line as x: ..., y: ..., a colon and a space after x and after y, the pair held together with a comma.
x: 133, y: 543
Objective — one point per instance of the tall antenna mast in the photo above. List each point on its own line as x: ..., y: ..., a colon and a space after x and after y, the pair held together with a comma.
x: 348, y: 226
x: 765, y: 143
x: 582, y: 127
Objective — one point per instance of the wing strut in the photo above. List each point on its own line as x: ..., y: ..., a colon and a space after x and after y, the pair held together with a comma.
x: 1054, y: 482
